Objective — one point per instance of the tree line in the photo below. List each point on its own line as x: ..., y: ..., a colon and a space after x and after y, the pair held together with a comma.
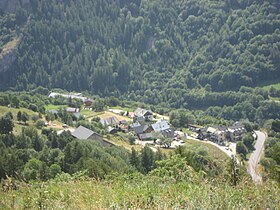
x: 150, y: 51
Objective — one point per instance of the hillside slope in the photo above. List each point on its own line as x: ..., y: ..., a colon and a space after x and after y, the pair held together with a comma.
x: 151, y: 48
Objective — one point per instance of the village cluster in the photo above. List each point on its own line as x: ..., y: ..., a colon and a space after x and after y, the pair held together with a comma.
x: 220, y: 134
x: 144, y: 125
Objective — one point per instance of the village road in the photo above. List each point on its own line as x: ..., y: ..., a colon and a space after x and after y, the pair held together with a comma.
x: 255, y: 157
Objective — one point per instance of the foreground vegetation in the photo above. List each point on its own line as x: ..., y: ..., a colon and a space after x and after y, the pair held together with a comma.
x: 141, y: 192
x: 41, y: 169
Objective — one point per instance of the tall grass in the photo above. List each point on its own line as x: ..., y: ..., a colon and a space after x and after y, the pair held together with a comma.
x: 142, y: 192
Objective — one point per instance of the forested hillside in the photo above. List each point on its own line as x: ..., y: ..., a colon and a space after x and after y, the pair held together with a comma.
x: 182, y: 53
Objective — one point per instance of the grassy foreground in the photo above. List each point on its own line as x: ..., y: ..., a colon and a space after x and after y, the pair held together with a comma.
x: 141, y: 192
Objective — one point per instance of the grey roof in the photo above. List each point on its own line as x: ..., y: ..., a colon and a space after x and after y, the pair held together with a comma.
x: 82, y: 133
x: 77, y: 114
x: 237, y: 127
x: 146, y: 136
x: 53, y: 111
x: 160, y: 125
x: 140, y: 118
x: 169, y: 133
x: 135, y: 125
x: 143, y: 112
x: 109, y: 121
x: 140, y: 129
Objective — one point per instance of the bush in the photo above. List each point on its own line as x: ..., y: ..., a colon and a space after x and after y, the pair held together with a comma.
x: 241, y: 149
x: 131, y: 140
x: 40, y: 124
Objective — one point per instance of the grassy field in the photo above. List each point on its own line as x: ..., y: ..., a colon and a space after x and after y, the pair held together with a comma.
x: 193, y: 145
x: 107, y: 114
x: 274, y: 99
x: 127, y: 109
x: 88, y: 114
x: 141, y: 192
x: 187, y: 131
x: 274, y: 83
x: 14, y: 111
x: 117, y: 140
x: 212, y: 150
x: 18, y: 127
x: 54, y: 107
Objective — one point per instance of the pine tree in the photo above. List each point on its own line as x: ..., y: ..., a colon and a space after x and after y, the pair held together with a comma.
x: 134, y: 159
x: 147, y: 159
x: 19, y: 116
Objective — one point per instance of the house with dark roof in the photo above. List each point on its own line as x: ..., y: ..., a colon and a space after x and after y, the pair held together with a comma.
x: 220, y: 134
x: 236, y: 132
x: 88, y: 103
x: 140, y: 119
x: 146, y: 136
x: 138, y: 128
x: 84, y: 133
x: 147, y: 114
x: 202, y: 133
x: 110, y: 121
x: 168, y: 133
x: 142, y: 131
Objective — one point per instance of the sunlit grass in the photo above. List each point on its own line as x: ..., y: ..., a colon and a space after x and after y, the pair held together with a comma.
x: 211, y: 149
x: 141, y: 193
x: 54, y: 107
x: 275, y: 84
x: 14, y: 111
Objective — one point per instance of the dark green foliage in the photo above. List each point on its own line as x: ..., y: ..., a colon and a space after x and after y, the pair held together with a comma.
x: 131, y: 139
x: 147, y: 159
x: 19, y: 114
x: 175, y: 168
x: 272, y: 149
x: 241, y: 149
x: 199, y: 160
x: 271, y: 162
x: 24, y: 117
x: 87, y: 155
x: 6, y: 124
x: 233, y: 170
x: 248, y: 141
x: 191, y: 54
x: 134, y: 159
x: 181, y: 118
x: 98, y: 105
x: 276, y: 125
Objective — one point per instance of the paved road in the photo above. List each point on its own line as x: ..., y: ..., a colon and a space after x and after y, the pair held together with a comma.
x: 255, y: 157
